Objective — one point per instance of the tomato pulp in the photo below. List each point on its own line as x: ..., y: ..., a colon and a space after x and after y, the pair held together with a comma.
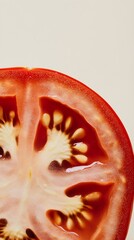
x: 66, y: 162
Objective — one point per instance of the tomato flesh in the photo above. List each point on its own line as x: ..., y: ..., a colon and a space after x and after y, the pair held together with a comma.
x: 65, y: 160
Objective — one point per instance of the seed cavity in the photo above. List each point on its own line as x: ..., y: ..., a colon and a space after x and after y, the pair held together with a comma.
x: 75, y: 212
x: 63, y: 143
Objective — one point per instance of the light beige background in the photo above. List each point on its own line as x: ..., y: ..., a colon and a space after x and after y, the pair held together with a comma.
x: 91, y: 40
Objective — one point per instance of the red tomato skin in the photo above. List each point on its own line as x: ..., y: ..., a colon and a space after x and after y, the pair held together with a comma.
x: 35, y: 75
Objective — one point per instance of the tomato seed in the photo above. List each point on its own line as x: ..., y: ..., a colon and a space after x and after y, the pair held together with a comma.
x: 81, y: 147
x: 46, y: 119
x: 30, y: 233
x: 79, y: 133
x: 54, y: 166
x: 81, y: 158
x: 68, y: 123
x: 7, y: 155
x: 1, y: 152
x: 94, y: 196
x: 80, y: 222
x: 57, y: 118
x: 57, y: 218
x: 86, y: 215
x: 70, y: 223
x: 3, y: 222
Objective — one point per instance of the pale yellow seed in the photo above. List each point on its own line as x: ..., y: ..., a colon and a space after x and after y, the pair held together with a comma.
x: 80, y: 222
x: 12, y: 115
x: 82, y: 147
x: 94, y: 196
x: 79, y: 133
x: 46, y: 119
x: 70, y: 223
x: 57, y: 218
x: 86, y: 215
x: 68, y: 123
x: 57, y: 117
x: 81, y: 158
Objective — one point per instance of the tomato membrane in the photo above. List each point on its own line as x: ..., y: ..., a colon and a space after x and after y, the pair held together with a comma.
x: 66, y: 162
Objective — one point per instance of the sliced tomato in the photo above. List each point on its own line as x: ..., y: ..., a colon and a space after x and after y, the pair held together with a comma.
x: 66, y: 162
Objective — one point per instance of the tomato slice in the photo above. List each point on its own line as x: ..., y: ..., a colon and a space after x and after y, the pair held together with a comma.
x: 66, y: 162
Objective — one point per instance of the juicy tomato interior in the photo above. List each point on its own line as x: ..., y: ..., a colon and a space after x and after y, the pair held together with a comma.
x: 65, y: 160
